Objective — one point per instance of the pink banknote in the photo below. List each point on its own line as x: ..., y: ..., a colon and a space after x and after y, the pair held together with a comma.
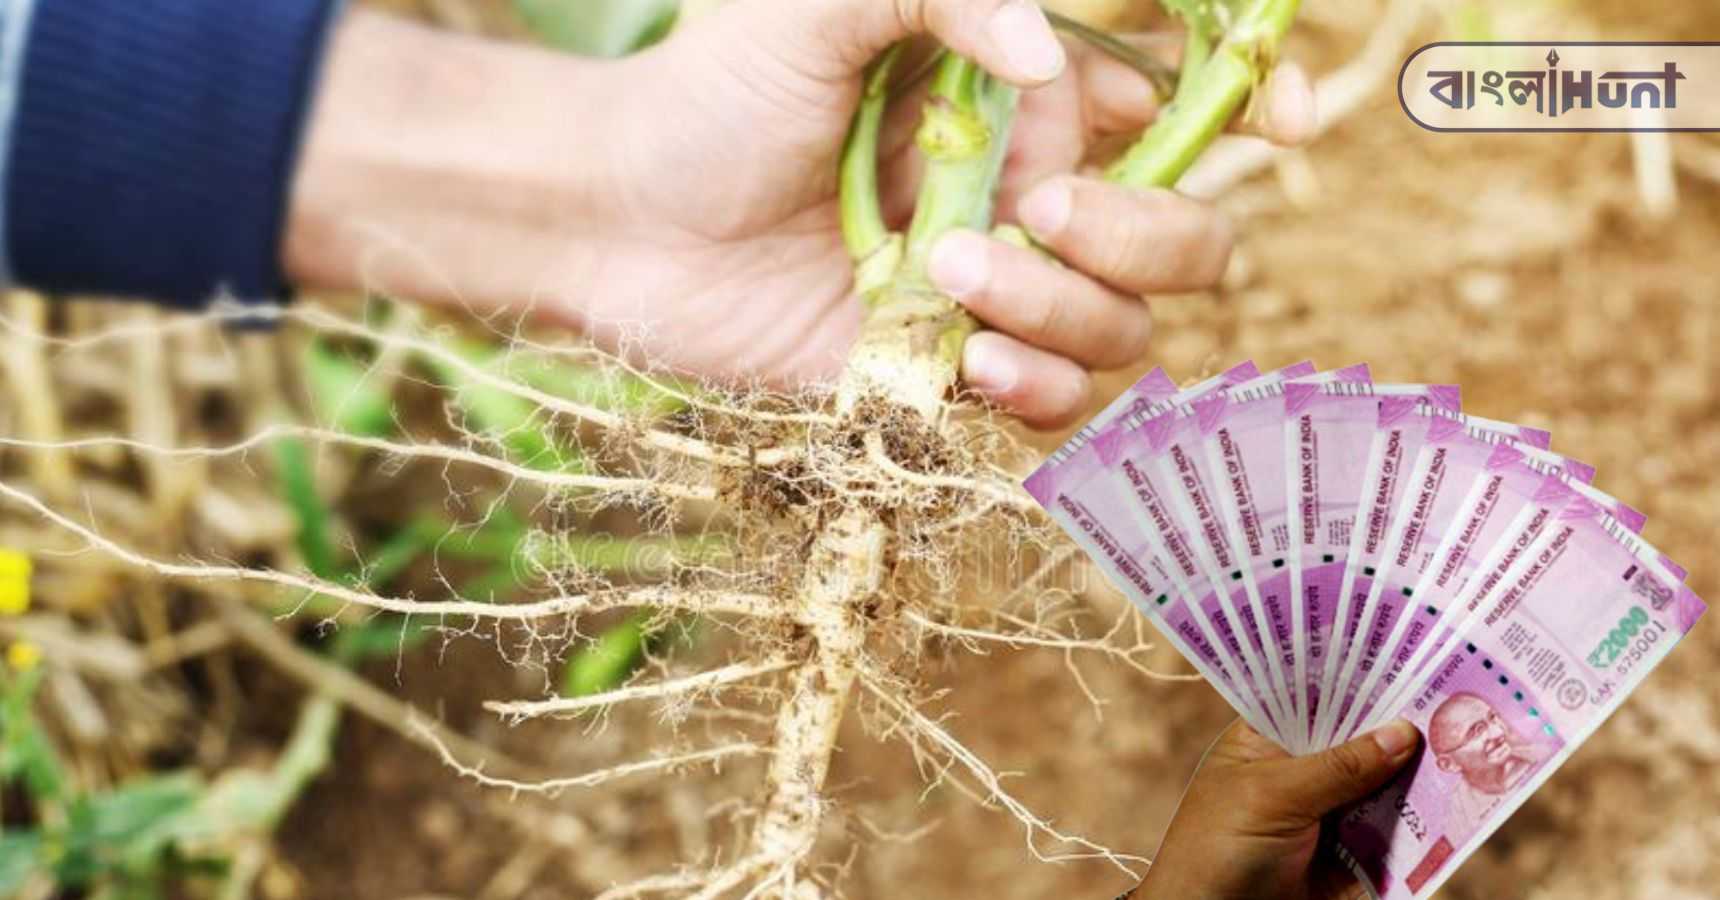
x: 1336, y: 436
x: 1242, y: 437
x: 1152, y: 394
x: 1154, y: 464
x: 1455, y: 470
x: 1584, y: 615
x: 1505, y: 521
x: 1170, y: 451
x: 1147, y: 396
x: 1104, y: 482
x: 1330, y: 553
x: 1413, y: 460
x: 1118, y: 526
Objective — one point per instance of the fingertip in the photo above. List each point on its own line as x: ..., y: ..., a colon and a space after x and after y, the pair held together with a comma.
x: 1061, y: 401
x: 1397, y: 740
x: 1080, y: 392
x: 1044, y: 390
x: 1221, y: 246
x: 1118, y: 98
x: 1047, y: 209
x: 1035, y: 300
x: 960, y: 264
x: 989, y: 366
x: 1031, y: 53
x: 1292, y: 117
x: 1137, y: 241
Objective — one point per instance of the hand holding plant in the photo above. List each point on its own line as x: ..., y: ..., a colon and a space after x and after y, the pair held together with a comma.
x: 593, y: 200
x: 789, y: 192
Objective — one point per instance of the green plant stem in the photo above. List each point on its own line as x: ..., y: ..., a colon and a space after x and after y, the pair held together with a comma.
x: 307, y: 754
x: 863, y: 227
x: 1209, y: 95
x: 911, y: 340
x: 964, y: 136
x: 1197, y: 49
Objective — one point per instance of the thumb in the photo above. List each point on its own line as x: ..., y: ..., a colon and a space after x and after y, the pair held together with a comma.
x: 1319, y: 783
x: 1012, y: 39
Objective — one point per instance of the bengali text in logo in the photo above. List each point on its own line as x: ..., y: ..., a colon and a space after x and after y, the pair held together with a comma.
x: 1562, y: 86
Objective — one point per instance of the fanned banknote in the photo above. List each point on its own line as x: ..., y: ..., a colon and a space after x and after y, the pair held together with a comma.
x: 1331, y: 553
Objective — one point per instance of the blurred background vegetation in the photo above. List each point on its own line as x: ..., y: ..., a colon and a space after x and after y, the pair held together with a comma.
x: 172, y: 740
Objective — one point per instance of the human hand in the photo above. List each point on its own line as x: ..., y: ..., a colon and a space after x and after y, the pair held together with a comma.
x: 1249, y: 825
x: 763, y: 94
x: 685, y: 198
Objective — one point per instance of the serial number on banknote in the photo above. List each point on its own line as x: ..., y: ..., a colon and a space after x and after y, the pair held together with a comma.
x: 1634, y: 635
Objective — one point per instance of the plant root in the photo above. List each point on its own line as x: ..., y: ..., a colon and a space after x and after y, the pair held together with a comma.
x: 852, y: 526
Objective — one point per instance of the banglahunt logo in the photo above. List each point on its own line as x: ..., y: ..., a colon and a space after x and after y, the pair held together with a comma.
x: 1569, y: 86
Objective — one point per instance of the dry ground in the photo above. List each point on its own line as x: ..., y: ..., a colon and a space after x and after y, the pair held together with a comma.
x: 1521, y: 267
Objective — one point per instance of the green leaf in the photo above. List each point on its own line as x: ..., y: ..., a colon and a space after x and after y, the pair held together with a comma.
x: 298, y: 482
x: 344, y: 394
x: 384, y: 637
x: 127, y: 829
x: 240, y: 800
x: 20, y: 858
x: 606, y: 664
x: 613, y: 390
x: 25, y: 752
x: 135, y: 810
x: 133, y: 842
x: 387, y: 561
x: 509, y: 419
x: 138, y: 886
x: 496, y: 540
x: 252, y: 802
x: 599, y: 27
x: 497, y: 583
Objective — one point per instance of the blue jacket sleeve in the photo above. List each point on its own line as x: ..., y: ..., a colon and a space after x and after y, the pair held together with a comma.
x: 146, y: 148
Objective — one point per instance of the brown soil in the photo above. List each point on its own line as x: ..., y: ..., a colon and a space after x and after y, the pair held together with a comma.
x: 1517, y: 267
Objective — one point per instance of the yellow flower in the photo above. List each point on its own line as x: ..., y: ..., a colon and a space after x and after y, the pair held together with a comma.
x: 23, y: 656
x: 14, y: 582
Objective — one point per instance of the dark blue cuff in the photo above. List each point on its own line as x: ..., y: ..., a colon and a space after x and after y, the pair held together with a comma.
x: 154, y: 143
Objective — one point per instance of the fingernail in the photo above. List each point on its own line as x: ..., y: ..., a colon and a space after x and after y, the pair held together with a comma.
x: 1020, y: 30
x: 959, y: 266
x: 1047, y: 208
x: 988, y: 369
x: 1396, y: 739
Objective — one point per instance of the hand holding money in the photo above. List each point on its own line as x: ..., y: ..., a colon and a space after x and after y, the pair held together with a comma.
x: 1249, y: 825
x: 1332, y: 554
